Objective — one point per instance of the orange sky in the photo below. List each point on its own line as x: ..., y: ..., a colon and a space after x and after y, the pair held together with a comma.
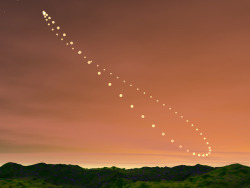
x: 191, y: 55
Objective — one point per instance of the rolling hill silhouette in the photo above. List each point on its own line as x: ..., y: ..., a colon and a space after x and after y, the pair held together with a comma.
x: 61, y: 175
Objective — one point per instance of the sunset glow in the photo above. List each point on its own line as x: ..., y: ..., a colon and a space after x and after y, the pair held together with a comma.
x: 125, y: 83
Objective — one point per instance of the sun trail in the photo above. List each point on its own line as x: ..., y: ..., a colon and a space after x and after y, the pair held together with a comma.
x: 51, y: 23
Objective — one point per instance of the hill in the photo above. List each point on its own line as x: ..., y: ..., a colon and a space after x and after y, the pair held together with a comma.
x: 60, y: 175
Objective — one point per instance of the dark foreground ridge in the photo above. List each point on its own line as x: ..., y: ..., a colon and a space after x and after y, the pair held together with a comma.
x: 60, y: 175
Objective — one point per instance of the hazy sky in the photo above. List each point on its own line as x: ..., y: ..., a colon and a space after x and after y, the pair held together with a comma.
x: 193, y: 56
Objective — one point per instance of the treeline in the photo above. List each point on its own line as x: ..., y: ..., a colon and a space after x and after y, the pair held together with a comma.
x: 61, y: 175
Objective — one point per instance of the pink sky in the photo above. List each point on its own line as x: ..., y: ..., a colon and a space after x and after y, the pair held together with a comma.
x: 193, y: 56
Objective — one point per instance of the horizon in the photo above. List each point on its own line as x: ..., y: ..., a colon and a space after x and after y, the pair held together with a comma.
x: 125, y: 83
x: 25, y: 165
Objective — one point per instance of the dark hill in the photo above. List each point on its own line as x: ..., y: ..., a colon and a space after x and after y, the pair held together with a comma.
x: 231, y: 176
x: 75, y: 176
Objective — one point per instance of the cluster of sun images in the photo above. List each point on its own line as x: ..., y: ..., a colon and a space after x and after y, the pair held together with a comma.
x: 63, y: 37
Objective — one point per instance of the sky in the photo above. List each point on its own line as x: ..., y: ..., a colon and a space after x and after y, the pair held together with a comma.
x: 192, y: 56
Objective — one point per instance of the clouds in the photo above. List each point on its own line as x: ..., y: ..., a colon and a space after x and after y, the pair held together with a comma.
x: 192, y: 57
x: 19, y: 141
x: 14, y: 147
x: 16, y: 141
